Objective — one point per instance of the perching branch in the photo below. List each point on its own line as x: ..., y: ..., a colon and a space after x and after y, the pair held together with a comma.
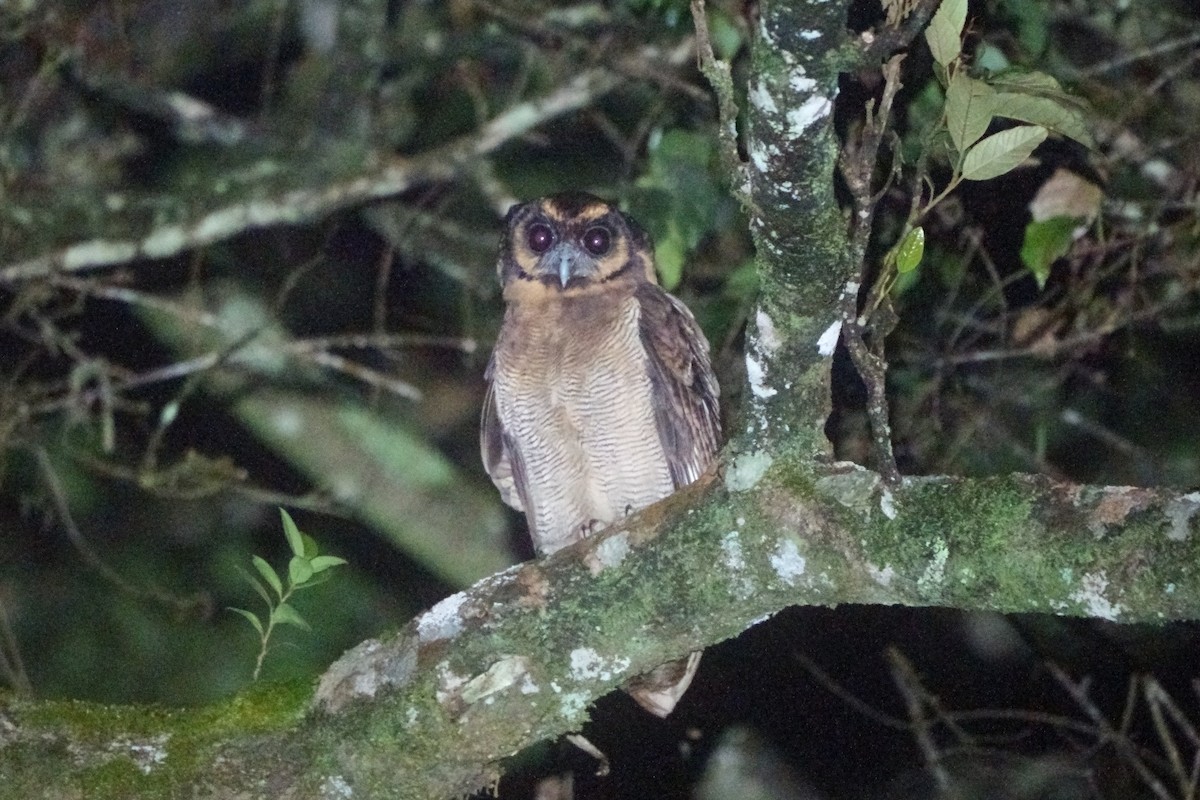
x: 520, y: 656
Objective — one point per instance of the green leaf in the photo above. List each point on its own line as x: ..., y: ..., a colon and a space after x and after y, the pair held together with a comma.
x: 925, y: 111
x: 257, y: 585
x: 910, y: 250
x: 284, y: 614
x: 742, y: 283
x: 726, y: 35
x: 322, y: 563
x: 1038, y: 84
x: 677, y: 198
x: 944, y: 33
x: 311, y: 550
x: 668, y: 257
x: 1033, y: 21
x: 1061, y: 117
x: 990, y: 58
x: 1002, y: 152
x: 905, y: 281
x: 269, y: 575
x: 949, y: 267
x: 292, y: 533
x: 299, y: 570
x: 969, y: 107
x: 1027, y: 82
x: 316, y: 580
x: 253, y: 618
x: 1046, y: 242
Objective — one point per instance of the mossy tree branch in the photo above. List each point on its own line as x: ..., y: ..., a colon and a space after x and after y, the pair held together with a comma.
x: 520, y: 656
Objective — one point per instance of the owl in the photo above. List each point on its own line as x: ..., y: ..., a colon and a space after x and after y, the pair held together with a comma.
x: 601, y: 398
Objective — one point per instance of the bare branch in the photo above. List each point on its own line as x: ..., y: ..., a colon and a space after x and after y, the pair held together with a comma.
x: 305, y: 203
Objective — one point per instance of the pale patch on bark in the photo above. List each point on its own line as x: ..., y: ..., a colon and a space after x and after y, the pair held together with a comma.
x: 787, y: 562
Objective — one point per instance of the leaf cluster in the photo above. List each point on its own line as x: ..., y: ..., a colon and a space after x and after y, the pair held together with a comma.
x: 306, y: 568
x: 1014, y: 263
x: 969, y: 106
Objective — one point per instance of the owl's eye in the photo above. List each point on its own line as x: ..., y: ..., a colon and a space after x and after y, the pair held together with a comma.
x: 597, y: 240
x: 540, y: 237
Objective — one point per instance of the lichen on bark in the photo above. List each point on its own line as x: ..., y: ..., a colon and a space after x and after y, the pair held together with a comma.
x: 799, y: 233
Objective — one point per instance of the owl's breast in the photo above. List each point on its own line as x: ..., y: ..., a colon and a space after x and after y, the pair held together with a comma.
x: 574, y: 394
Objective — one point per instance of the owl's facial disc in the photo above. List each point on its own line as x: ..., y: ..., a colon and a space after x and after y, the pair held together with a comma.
x: 570, y: 257
x: 573, y: 242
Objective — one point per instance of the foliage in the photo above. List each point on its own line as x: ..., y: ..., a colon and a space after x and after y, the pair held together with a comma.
x: 1052, y: 259
x: 329, y: 358
x: 968, y: 108
x: 306, y: 568
x: 677, y: 198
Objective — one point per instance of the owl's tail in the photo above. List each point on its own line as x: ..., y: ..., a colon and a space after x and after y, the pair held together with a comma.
x: 659, y: 690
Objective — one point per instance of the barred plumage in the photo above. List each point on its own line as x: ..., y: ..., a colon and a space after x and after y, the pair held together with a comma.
x: 601, y: 397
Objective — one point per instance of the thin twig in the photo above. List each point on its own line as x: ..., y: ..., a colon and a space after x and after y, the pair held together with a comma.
x: 366, y: 375
x: 313, y: 350
x: 1119, y: 62
x: 857, y: 165
x: 843, y: 694
x: 304, y: 204
x: 271, y: 61
x: 873, y: 371
x: 905, y: 679
x: 1161, y: 706
x: 380, y: 341
x: 884, y: 43
x: 1120, y: 741
x: 58, y: 496
x: 720, y: 77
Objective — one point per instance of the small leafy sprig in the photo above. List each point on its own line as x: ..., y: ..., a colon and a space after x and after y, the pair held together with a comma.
x: 969, y: 106
x: 306, y: 568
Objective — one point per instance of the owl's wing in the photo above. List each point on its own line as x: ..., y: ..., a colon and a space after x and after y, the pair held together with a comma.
x: 686, y: 411
x: 498, y: 459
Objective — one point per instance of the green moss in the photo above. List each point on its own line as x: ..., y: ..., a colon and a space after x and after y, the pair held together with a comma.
x: 797, y: 474
x: 145, y: 750
x: 995, y: 551
x: 1168, y: 581
x: 978, y: 544
x: 92, y: 722
x: 263, y: 707
x: 120, y: 778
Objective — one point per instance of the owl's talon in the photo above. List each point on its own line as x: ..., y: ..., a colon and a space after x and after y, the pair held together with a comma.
x: 602, y: 765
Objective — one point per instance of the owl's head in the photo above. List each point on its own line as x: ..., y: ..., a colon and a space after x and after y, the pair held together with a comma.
x: 568, y: 242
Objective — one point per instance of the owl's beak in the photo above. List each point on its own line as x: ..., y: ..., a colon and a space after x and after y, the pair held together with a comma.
x: 565, y: 262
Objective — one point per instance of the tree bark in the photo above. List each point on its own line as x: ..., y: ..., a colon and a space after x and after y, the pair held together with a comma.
x: 521, y: 655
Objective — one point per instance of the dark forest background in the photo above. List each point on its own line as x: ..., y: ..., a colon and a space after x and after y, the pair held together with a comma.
x: 156, y: 408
